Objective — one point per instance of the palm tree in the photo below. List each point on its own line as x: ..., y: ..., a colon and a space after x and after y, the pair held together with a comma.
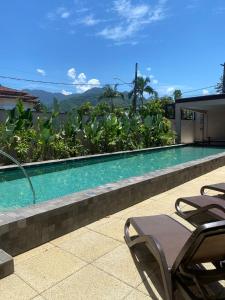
x: 177, y: 94
x: 111, y: 93
x: 140, y: 87
x: 219, y: 86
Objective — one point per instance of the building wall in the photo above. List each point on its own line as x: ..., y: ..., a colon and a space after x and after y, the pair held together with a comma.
x: 210, y: 124
x: 187, y: 131
x: 11, y: 103
x: 216, y: 124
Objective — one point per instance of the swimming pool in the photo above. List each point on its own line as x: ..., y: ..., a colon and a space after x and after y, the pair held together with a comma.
x: 55, y: 180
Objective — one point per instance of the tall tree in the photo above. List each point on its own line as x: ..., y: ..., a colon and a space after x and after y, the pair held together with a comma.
x: 110, y: 93
x: 142, y: 86
x: 219, y: 86
x: 177, y: 94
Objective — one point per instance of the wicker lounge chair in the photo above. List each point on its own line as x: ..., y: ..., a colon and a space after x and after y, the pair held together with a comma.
x: 180, y: 253
x: 213, y: 207
x: 219, y: 187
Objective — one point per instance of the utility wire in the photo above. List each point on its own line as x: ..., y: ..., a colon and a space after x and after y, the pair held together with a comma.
x: 207, y: 87
x: 57, y: 83
x: 87, y: 84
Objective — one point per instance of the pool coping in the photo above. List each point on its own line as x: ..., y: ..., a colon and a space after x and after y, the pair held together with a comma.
x: 84, y: 157
x: 25, y: 228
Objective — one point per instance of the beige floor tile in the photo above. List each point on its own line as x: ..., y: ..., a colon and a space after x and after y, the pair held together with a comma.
x: 88, y: 283
x: 143, y: 211
x: 121, y: 264
x: 136, y: 295
x: 89, y: 246
x: 66, y: 237
x: 14, y: 288
x: 48, y: 268
x: 32, y: 253
x: 152, y: 209
x: 130, y: 209
x: 186, y: 190
x: 98, y: 223
x: 152, y: 288
x: 113, y: 271
x: 113, y: 229
x: 159, y: 196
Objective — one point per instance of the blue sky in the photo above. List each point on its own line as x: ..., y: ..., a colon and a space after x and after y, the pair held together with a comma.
x: 178, y: 43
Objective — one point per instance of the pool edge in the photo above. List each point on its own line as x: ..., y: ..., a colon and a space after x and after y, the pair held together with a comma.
x: 26, y: 228
x: 84, y: 157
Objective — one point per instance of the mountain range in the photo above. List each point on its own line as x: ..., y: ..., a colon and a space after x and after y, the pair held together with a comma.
x: 69, y: 102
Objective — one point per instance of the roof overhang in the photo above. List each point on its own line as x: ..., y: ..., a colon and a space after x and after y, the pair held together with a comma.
x: 202, y: 103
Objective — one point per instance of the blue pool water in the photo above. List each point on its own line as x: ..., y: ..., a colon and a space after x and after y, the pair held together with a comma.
x: 60, y: 179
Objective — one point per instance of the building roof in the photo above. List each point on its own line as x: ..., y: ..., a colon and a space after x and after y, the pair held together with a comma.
x: 8, y: 93
x: 202, y: 98
x: 202, y: 103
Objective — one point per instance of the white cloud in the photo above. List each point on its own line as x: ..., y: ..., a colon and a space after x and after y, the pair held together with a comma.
x: 205, y: 92
x: 60, y: 12
x: 80, y: 81
x: 155, y: 81
x: 148, y: 69
x: 81, y: 78
x: 119, y: 33
x: 170, y: 90
x: 41, y: 72
x: 94, y: 81
x: 65, y: 15
x: 139, y: 74
x: 89, y: 85
x: 125, y: 9
x: 89, y: 20
x: 71, y: 73
x: 132, y: 19
x: 66, y: 93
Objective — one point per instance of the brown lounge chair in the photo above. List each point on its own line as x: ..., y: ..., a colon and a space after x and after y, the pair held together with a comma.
x: 219, y: 187
x: 212, y: 207
x: 180, y: 253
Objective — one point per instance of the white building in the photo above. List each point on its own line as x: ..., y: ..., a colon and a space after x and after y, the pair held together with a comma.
x: 9, y: 98
x: 208, y: 123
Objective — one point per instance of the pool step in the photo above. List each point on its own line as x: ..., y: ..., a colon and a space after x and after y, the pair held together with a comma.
x: 6, y: 264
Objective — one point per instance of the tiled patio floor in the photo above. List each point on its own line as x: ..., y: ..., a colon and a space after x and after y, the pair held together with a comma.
x: 94, y: 262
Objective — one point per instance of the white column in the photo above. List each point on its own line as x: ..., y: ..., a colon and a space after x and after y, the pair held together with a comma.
x: 178, y: 123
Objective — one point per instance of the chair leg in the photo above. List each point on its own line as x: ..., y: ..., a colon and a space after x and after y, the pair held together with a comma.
x: 202, y: 191
x: 167, y: 284
x: 137, y: 239
x: 166, y: 277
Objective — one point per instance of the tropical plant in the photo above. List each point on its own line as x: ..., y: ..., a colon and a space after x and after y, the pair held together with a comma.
x: 177, y: 94
x: 89, y: 130
x: 40, y: 107
x: 141, y: 86
x: 110, y: 94
x: 19, y: 118
x: 219, y: 86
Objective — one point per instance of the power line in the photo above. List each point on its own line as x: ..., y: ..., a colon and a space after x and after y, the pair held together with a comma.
x: 57, y: 83
x: 200, y: 89
x: 87, y: 84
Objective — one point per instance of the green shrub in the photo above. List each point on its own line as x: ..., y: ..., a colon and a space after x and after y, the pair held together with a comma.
x: 88, y: 130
